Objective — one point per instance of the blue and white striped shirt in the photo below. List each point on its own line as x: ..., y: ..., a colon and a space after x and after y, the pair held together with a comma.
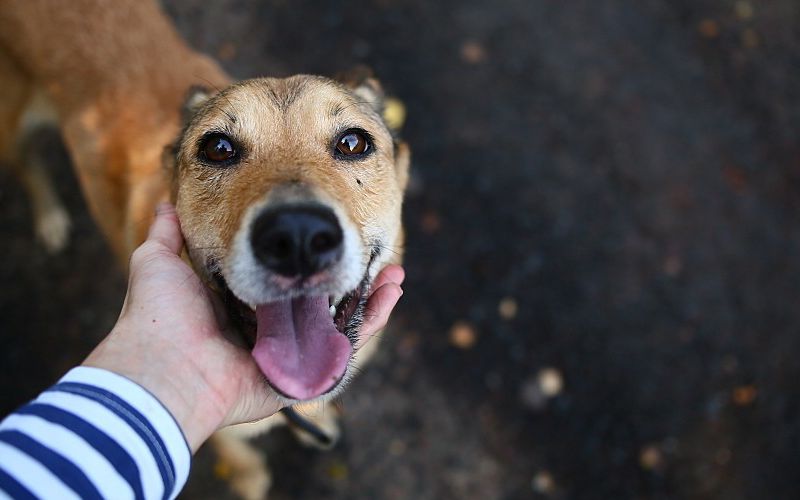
x: 94, y: 434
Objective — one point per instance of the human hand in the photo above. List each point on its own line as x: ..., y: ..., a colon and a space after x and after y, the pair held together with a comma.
x: 170, y: 338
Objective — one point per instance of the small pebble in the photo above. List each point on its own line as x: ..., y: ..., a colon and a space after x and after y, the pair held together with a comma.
x: 650, y: 457
x: 543, y: 483
x: 550, y: 381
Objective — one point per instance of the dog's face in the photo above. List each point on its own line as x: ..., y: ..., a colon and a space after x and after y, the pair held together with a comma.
x: 289, y: 193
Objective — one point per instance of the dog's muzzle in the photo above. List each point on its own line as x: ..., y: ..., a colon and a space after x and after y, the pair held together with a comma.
x: 297, y: 241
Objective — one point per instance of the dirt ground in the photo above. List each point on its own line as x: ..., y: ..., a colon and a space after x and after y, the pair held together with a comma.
x: 603, y: 294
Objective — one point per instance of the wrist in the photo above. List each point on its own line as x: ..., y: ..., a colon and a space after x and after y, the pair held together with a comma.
x: 173, y: 381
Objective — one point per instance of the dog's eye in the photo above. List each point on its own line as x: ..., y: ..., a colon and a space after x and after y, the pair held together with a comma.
x: 218, y: 148
x: 353, y: 143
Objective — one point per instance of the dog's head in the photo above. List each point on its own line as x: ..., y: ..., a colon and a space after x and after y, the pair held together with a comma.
x: 289, y: 193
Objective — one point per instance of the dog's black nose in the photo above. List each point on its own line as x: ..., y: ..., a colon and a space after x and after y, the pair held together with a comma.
x: 298, y: 240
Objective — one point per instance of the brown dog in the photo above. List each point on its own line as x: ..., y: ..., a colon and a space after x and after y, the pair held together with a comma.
x: 289, y: 190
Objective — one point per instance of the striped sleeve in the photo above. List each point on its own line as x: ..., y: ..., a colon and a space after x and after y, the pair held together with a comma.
x: 94, y: 434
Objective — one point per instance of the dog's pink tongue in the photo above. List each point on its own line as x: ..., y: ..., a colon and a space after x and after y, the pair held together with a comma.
x: 298, y: 348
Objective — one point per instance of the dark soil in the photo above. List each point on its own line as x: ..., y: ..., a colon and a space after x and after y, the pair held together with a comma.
x: 626, y: 173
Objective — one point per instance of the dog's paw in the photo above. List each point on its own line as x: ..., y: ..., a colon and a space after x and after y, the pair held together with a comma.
x: 252, y: 483
x: 52, y: 229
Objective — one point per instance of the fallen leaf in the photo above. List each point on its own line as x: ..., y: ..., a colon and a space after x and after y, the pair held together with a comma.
x: 708, y: 28
x: 394, y: 113
x: 430, y: 222
x: 463, y: 335
x: 338, y: 471
x: 744, y: 395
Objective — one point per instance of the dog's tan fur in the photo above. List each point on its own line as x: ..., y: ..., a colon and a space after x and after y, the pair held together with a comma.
x: 287, y: 127
x: 116, y: 93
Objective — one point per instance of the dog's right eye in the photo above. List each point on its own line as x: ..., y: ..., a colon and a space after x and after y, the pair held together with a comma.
x: 218, y: 148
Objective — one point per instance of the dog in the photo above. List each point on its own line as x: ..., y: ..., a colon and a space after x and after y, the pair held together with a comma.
x: 289, y: 191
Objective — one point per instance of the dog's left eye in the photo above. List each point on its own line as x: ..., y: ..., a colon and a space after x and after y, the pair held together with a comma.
x: 353, y: 142
x: 218, y: 148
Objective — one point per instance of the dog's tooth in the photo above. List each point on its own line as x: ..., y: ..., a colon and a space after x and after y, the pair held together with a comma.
x: 333, y: 311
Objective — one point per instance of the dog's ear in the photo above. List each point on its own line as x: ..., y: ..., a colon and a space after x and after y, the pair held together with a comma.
x: 402, y: 162
x: 362, y: 82
x: 195, y: 98
x: 365, y: 86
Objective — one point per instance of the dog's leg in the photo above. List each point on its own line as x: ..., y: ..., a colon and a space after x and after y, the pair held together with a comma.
x: 243, y: 466
x: 51, y: 219
x: 22, y: 114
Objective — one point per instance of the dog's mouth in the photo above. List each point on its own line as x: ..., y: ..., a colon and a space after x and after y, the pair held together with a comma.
x: 302, y: 344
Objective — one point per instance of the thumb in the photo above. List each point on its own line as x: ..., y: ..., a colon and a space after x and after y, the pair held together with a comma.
x: 166, y: 228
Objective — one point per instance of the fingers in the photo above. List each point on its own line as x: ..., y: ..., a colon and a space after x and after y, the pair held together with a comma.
x: 392, y: 273
x: 166, y: 229
x: 379, y: 307
x: 386, y: 292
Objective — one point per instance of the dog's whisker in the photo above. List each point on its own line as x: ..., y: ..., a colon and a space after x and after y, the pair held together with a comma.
x: 395, y: 250
x: 355, y: 103
x: 223, y: 95
x: 370, y: 338
x: 209, y: 82
x: 213, y: 247
x: 356, y: 369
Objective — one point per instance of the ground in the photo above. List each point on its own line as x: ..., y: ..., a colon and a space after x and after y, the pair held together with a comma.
x: 603, y: 250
